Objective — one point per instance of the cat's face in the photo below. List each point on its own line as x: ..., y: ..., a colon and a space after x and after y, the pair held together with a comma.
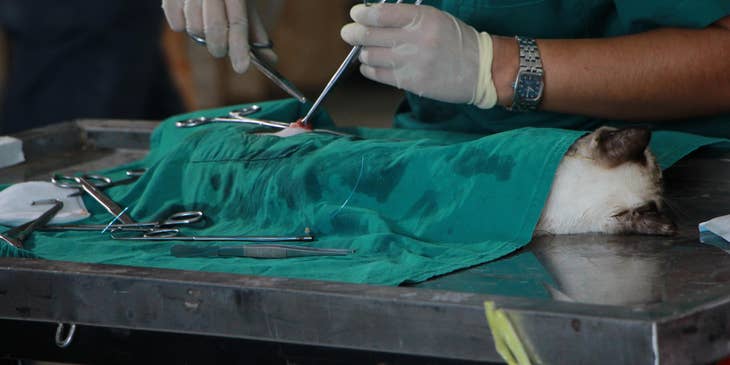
x: 608, y: 182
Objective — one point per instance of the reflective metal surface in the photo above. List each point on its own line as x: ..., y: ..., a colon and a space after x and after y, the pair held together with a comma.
x: 584, y: 299
x: 633, y: 271
x: 617, y: 272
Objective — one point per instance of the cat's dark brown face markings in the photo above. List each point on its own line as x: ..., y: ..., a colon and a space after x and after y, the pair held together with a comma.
x: 615, y: 147
x: 610, y: 147
x: 608, y: 182
x: 647, y: 219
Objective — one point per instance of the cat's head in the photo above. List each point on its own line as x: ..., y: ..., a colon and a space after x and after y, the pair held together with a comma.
x: 609, y: 181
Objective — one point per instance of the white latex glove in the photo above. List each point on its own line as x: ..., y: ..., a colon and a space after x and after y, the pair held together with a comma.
x: 227, y: 26
x: 425, y: 51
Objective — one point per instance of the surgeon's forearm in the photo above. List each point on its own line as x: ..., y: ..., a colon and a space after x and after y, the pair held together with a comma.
x: 662, y: 74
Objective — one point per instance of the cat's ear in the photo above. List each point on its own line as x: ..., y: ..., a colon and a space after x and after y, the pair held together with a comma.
x: 617, y: 146
x: 647, y: 219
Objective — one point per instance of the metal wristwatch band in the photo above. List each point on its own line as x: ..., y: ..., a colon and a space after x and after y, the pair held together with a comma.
x: 529, y: 76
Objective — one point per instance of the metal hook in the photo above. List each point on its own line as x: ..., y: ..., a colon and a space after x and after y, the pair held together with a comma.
x: 63, y: 343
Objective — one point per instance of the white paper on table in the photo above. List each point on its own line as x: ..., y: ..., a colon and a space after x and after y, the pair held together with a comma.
x: 16, y: 203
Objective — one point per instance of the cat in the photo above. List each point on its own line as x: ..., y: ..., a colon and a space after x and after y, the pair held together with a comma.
x: 608, y: 182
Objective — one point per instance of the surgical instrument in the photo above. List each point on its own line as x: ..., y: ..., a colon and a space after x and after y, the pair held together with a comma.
x: 235, y: 116
x: 100, y: 181
x: 177, y: 219
x: 265, y: 69
x: 16, y: 236
x: 354, y: 53
x: 239, y: 116
x: 256, y: 251
x: 172, y: 235
x: 104, y: 200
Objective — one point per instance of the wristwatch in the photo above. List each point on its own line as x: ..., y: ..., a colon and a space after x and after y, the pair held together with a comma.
x: 529, y: 84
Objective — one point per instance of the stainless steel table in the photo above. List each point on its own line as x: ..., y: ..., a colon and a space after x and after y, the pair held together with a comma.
x: 583, y: 299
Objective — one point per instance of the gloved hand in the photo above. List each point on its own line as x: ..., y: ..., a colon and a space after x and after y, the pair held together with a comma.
x: 225, y: 25
x: 425, y: 51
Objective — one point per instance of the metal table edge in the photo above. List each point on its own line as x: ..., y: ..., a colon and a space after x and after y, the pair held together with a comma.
x: 331, y: 314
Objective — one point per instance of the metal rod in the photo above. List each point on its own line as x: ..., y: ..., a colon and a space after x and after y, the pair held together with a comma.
x: 277, y: 78
x: 116, y: 236
x: 354, y: 53
x: 265, y: 69
x: 265, y: 251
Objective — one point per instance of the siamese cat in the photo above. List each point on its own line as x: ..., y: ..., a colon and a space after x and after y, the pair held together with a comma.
x: 608, y: 182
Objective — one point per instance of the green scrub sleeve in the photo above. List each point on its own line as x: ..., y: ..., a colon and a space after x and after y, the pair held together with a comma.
x: 635, y: 16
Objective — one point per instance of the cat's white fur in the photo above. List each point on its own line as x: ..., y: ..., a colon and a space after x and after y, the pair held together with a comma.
x: 586, y: 196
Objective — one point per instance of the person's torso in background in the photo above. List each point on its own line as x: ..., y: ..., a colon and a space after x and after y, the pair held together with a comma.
x: 84, y: 59
x: 561, y: 19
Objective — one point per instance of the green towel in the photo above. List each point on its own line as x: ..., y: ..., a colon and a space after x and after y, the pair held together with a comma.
x: 413, y: 204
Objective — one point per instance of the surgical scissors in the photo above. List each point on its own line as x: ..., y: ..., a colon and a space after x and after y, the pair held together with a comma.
x: 176, y: 219
x: 172, y: 234
x: 99, y: 181
x: 265, y: 69
x: 16, y: 236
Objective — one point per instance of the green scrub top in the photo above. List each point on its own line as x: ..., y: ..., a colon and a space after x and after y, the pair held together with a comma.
x: 561, y: 19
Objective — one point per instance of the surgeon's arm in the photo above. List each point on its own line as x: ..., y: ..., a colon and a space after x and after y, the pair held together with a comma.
x: 662, y: 74
x: 658, y: 75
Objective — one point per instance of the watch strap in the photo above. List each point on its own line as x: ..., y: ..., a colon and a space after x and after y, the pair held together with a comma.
x: 529, y: 83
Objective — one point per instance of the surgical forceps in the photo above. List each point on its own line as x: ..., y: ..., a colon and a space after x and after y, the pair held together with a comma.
x: 354, y: 53
x: 177, y: 219
x: 265, y: 69
x: 171, y: 234
x: 263, y: 251
x: 100, y: 181
x: 240, y: 117
x: 16, y: 236
x: 235, y: 116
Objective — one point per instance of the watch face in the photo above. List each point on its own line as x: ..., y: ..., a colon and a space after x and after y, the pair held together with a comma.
x: 530, y: 86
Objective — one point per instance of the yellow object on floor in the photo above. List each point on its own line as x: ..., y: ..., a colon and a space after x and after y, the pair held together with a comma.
x: 506, y: 341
